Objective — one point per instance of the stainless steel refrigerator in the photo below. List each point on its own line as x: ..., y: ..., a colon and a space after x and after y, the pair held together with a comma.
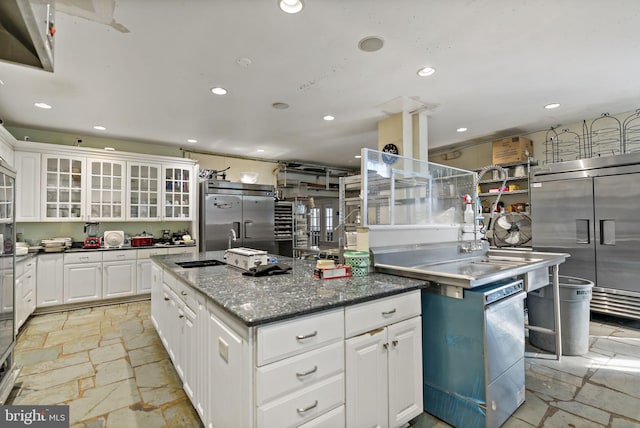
x: 590, y: 208
x: 8, y: 300
x: 242, y: 211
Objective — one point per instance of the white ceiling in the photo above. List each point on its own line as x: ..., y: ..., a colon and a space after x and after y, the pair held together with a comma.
x: 498, y: 63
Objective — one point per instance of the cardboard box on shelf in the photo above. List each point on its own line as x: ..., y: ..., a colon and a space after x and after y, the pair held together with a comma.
x: 513, y: 149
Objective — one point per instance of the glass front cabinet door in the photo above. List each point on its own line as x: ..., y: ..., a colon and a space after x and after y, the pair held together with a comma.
x: 63, y: 177
x: 177, y: 192
x: 144, y: 191
x: 106, y: 190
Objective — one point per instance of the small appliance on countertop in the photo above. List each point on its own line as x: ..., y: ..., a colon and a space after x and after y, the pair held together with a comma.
x: 113, y: 238
x: 143, y: 240
x: 246, y: 258
x: 92, y: 240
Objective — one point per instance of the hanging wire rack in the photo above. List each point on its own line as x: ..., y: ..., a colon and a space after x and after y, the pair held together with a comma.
x: 631, y: 133
x: 605, y: 136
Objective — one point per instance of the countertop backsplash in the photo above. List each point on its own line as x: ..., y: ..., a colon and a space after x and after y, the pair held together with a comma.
x: 33, y: 233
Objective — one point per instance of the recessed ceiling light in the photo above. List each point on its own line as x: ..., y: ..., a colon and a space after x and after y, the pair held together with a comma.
x: 463, y: 129
x: 552, y: 106
x: 260, y: 150
x: 191, y: 140
x: 280, y: 106
x: 426, y: 71
x: 99, y: 128
x: 219, y: 91
x: 109, y: 149
x: 358, y: 156
x: 43, y: 105
x: 371, y: 44
x: 291, y: 6
x: 328, y: 117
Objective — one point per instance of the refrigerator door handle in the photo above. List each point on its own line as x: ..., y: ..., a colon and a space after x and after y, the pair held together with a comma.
x: 607, y: 232
x: 246, y: 222
x: 236, y: 227
x: 583, y: 235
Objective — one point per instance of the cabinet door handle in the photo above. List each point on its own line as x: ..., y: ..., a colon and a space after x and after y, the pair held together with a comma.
x: 184, y: 293
x: 394, y: 342
x: 385, y: 345
x: 387, y: 313
x: 307, y: 373
x: 302, y: 410
x: 166, y: 299
x: 307, y: 336
x: 180, y: 316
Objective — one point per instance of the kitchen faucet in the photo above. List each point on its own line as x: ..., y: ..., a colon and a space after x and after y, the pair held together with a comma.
x: 505, y: 174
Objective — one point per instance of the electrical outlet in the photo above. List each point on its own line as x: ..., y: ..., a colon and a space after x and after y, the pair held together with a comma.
x: 223, y: 349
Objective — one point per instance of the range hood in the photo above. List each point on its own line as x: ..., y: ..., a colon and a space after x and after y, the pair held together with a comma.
x: 27, y: 31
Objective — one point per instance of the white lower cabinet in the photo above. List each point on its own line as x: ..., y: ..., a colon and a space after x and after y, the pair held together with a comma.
x: 384, y: 364
x: 82, y: 277
x: 118, y: 273
x: 300, y: 369
x: 24, y: 291
x: 50, y: 282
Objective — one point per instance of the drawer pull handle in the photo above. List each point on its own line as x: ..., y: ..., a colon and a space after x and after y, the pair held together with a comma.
x: 302, y: 410
x: 387, y: 313
x: 84, y: 258
x: 166, y: 299
x: 184, y: 293
x: 307, y: 373
x: 307, y: 336
x: 180, y: 316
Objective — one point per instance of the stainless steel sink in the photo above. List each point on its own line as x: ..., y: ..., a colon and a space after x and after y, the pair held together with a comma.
x: 469, y: 271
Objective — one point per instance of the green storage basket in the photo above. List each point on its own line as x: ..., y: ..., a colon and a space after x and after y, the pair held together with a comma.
x: 359, y: 262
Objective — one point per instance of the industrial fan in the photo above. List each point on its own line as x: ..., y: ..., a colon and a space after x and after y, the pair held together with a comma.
x: 511, y: 230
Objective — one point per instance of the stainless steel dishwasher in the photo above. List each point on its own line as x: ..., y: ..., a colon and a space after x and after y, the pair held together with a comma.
x: 473, y: 353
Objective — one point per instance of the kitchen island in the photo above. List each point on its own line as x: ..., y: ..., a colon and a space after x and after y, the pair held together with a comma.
x: 288, y: 350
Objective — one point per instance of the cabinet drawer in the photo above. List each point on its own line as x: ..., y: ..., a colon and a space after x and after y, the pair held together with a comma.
x: 187, y: 294
x: 288, y: 375
x: 302, y: 406
x: 147, y: 253
x: 332, y: 419
x: 182, y: 250
x: 83, y: 257
x: 25, y: 265
x: 368, y: 316
x: 117, y: 255
x: 287, y: 338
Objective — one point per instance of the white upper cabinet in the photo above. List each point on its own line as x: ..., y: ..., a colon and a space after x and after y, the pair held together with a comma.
x: 178, y: 186
x: 106, y: 190
x: 56, y: 183
x: 62, y: 178
x: 143, y: 202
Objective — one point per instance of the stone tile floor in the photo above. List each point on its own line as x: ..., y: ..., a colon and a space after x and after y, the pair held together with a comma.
x: 108, y: 365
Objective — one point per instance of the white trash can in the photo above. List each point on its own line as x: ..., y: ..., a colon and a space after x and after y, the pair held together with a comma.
x: 575, y: 297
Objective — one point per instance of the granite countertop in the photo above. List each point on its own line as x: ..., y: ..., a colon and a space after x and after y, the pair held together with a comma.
x: 260, y: 300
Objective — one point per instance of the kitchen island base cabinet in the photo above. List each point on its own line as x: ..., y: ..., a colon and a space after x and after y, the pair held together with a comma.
x: 384, y: 365
x: 292, y: 372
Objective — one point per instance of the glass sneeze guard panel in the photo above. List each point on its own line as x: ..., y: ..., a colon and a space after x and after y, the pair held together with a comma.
x: 404, y: 191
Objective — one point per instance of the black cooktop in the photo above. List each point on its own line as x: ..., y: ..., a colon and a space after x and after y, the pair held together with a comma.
x: 200, y: 263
